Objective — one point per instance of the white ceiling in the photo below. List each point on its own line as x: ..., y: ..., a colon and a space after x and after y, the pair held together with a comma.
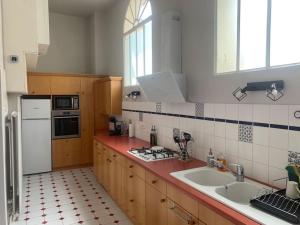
x: 79, y: 7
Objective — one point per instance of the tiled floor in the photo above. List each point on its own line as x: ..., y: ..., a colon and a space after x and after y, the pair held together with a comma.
x: 68, y: 198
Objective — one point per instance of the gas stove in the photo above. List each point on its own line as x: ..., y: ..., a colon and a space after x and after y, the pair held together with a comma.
x: 153, y: 154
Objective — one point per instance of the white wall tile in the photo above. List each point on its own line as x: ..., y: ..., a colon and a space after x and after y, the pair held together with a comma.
x: 260, y: 172
x: 209, y: 127
x: 232, y: 131
x: 247, y: 164
x: 220, y: 145
x: 199, y: 125
x: 278, y: 158
x: 209, y: 142
x: 209, y: 110
x: 232, y: 112
x: 245, y: 112
x: 279, y: 138
x: 261, y: 135
x: 220, y: 129
x: 279, y: 114
x: 294, y: 141
x: 261, y: 154
x: 245, y: 151
x: 231, y: 147
x: 220, y: 111
x: 274, y: 174
x: 261, y: 113
x: 292, y: 120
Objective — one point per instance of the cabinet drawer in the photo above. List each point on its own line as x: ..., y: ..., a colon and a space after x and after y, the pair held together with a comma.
x: 116, y: 157
x: 136, y: 169
x: 156, y: 182
x: 182, y: 199
x: 178, y: 216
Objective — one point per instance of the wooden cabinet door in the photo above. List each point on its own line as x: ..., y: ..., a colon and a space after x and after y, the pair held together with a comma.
x: 100, y: 116
x: 66, y: 152
x: 116, y: 94
x: 95, y: 161
x: 39, y: 85
x: 178, y: 216
x: 209, y: 217
x: 156, y: 207
x: 135, y: 198
x: 65, y: 85
x: 87, y: 119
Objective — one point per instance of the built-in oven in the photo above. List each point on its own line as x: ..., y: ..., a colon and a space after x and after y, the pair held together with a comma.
x: 65, y: 102
x: 65, y: 124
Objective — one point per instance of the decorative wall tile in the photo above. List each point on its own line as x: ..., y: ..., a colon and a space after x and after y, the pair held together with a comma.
x: 158, y: 107
x: 294, y: 157
x: 246, y: 133
x: 199, y: 110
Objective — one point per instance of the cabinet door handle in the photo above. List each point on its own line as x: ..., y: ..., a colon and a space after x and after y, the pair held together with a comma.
x: 114, y: 156
x: 131, y: 200
x: 131, y: 166
x: 163, y: 200
x: 185, y: 217
x: 154, y: 181
x: 131, y: 176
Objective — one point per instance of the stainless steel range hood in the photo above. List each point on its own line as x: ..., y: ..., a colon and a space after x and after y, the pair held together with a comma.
x: 164, y: 87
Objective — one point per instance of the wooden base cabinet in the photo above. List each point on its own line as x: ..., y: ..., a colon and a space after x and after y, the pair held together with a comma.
x: 146, y: 198
x: 178, y: 216
x: 66, y: 152
x: 156, y: 207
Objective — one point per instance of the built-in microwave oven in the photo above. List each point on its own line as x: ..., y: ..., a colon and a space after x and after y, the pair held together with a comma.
x: 65, y: 102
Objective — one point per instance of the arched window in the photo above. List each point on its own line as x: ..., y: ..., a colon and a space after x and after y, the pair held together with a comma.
x: 137, y: 41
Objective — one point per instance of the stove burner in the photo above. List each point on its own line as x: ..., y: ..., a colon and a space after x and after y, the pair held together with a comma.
x: 153, y: 154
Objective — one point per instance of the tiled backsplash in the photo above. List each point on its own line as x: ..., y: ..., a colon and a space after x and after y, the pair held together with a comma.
x: 257, y: 136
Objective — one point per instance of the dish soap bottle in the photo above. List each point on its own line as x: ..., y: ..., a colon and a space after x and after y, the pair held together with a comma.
x: 153, y: 137
x: 222, y: 163
x: 210, y: 156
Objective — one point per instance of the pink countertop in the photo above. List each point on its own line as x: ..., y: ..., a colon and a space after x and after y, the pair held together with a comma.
x: 163, y: 169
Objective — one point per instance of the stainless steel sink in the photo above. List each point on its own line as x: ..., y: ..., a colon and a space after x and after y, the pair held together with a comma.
x: 239, y: 192
x: 209, y: 177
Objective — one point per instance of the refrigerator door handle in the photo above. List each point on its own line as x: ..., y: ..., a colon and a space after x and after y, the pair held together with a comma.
x: 15, y: 166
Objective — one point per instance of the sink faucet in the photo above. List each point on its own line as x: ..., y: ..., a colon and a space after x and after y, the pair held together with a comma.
x: 240, y: 175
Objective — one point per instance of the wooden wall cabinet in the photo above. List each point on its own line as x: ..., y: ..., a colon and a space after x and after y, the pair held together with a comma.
x: 108, y: 96
x: 65, y: 85
x: 39, y: 85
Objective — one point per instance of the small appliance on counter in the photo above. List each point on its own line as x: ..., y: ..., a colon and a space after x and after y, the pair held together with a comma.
x: 115, y: 126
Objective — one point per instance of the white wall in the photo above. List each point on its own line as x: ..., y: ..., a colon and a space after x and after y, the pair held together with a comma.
x: 69, y: 50
x: 99, y: 39
x: 198, y: 55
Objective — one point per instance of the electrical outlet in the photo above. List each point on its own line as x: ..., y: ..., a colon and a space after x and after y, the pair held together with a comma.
x: 176, y: 132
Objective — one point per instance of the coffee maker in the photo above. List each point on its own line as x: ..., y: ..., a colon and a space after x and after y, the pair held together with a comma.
x: 115, y: 126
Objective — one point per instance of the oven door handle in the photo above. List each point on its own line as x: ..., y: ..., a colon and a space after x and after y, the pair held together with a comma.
x: 65, y: 117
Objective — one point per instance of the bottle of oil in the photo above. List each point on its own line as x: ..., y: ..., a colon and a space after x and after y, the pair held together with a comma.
x: 153, y: 137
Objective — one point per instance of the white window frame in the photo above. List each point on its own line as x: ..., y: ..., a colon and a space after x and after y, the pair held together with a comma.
x: 128, y: 33
x: 268, y: 43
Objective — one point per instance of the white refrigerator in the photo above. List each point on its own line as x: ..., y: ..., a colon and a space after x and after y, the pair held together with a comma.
x: 36, y: 134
